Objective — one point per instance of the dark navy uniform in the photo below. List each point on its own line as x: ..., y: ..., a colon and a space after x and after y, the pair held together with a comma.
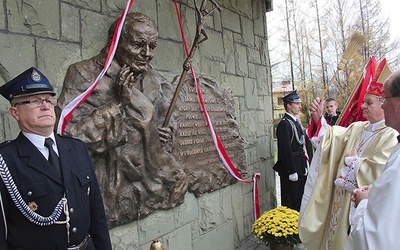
x: 44, y: 188
x: 292, y: 159
x: 37, y: 201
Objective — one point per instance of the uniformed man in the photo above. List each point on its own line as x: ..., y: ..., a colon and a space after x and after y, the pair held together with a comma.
x: 50, y: 198
x: 294, y: 153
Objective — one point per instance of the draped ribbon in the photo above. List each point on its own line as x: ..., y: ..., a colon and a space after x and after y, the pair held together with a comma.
x: 218, y: 144
x: 68, y: 110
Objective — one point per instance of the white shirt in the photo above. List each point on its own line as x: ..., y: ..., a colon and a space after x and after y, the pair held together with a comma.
x: 38, y: 141
x: 376, y: 220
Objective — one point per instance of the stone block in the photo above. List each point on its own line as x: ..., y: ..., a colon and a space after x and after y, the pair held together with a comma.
x: 9, y: 128
x: 254, y: 56
x: 209, y: 211
x: 70, y: 25
x: 86, y: 4
x: 230, y: 21
x: 19, y: 51
x: 263, y: 151
x: 213, y: 47
x: 237, y: 209
x: 248, y: 31
x: 2, y: 14
x: 94, y: 32
x: 259, y: 19
x: 181, y: 238
x: 189, y: 25
x: 169, y: 56
x: 219, y: 238
x: 234, y: 83
x: 168, y: 26
x: 186, y: 212
x: 252, y: 71
x: 54, y: 59
x: 32, y: 17
x: 241, y: 57
x: 250, y: 93
x: 125, y: 237
x: 217, y: 20
x: 226, y: 204
x: 263, y: 81
x: 210, y: 68
x: 156, y: 224
x: 249, y: 127
x: 229, y: 52
x: 248, y: 201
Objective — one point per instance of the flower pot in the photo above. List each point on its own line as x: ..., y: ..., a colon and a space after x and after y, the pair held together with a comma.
x: 281, y: 247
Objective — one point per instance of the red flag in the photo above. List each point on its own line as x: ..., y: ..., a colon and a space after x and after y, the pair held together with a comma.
x: 352, y: 111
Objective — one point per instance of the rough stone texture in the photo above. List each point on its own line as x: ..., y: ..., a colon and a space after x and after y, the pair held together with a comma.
x: 229, y: 49
x: 230, y: 20
x: 172, y: 55
x: 19, y: 51
x: 126, y: 237
x: 31, y: 17
x: 85, y: 4
x: 248, y: 31
x: 241, y: 57
x: 240, y: 23
x: 66, y: 54
x: 2, y: 20
x: 168, y: 23
x: 94, y: 27
x: 70, y: 28
x: 250, y: 93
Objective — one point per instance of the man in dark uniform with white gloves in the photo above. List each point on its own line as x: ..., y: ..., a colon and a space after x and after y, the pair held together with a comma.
x: 294, y: 153
x: 50, y: 198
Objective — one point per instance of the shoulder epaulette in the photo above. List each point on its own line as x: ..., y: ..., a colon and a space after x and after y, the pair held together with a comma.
x: 5, y: 143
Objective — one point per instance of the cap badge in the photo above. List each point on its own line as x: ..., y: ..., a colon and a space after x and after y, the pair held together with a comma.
x: 36, y: 76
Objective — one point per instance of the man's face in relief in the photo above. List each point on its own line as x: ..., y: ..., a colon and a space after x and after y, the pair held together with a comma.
x: 136, y: 48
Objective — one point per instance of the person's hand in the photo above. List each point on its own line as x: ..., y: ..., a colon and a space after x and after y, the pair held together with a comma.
x: 360, y: 194
x: 293, y: 177
x: 124, y: 85
x: 317, y: 109
x: 165, y: 133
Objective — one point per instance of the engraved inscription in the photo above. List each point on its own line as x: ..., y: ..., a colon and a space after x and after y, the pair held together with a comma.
x: 193, y: 144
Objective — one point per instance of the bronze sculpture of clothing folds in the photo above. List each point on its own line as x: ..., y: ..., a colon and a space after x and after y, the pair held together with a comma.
x: 119, y: 123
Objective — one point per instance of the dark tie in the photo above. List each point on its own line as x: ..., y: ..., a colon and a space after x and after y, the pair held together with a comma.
x: 53, y: 157
x: 398, y: 138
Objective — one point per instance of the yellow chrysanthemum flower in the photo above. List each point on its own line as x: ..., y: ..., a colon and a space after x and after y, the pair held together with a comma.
x: 278, y: 226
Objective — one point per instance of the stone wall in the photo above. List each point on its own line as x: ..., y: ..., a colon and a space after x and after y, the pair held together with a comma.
x: 52, y: 34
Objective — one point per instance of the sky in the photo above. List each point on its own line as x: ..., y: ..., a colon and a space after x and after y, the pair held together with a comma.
x: 391, y: 8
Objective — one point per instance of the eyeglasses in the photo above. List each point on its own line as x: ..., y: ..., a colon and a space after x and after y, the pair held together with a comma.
x: 382, y: 99
x: 38, y: 102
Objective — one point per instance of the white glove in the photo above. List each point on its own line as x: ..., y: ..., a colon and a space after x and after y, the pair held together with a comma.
x: 293, y: 177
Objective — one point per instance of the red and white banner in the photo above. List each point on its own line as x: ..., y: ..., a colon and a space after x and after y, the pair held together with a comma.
x: 352, y: 112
